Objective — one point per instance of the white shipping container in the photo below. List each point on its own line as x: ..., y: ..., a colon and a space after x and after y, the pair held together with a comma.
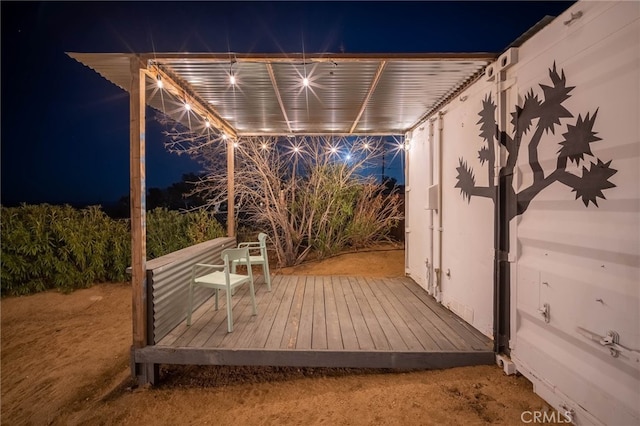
x: 559, y: 117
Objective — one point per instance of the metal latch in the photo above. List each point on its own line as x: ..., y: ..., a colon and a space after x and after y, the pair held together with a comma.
x: 612, y: 341
x: 545, y: 311
x: 568, y: 413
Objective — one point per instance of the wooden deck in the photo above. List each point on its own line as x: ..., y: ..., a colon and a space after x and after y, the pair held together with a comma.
x: 326, y: 321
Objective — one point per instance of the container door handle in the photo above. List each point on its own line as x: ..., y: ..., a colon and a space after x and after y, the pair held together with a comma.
x: 612, y: 341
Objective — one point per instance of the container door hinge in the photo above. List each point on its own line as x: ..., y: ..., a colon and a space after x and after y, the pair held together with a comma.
x: 545, y: 311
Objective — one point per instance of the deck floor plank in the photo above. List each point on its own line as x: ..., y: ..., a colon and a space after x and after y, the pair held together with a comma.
x: 466, y: 331
x: 290, y: 334
x: 380, y: 341
x: 363, y: 336
x: 432, y: 338
x: 389, y: 327
x: 264, y: 316
x: 403, y: 323
x: 347, y: 332
x: 447, y: 336
x: 306, y: 315
x: 267, y: 313
x: 319, y: 323
x: 334, y: 337
x: 334, y: 321
x: 219, y: 336
x: 288, y: 288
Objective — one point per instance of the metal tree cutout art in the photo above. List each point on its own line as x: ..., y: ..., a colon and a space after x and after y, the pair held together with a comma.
x: 574, y: 147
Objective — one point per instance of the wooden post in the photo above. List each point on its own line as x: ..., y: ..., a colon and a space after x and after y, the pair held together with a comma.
x: 138, y: 211
x: 231, y: 218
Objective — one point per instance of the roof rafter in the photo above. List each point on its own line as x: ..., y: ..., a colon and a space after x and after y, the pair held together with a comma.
x: 274, y: 83
x: 372, y: 88
x: 198, y: 106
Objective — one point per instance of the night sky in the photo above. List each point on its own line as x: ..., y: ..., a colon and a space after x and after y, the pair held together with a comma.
x: 65, y: 130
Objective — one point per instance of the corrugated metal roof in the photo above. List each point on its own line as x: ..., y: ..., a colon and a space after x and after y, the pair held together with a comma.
x: 347, y: 93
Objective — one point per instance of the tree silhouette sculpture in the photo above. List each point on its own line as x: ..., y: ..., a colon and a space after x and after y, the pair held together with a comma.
x: 576, y: 145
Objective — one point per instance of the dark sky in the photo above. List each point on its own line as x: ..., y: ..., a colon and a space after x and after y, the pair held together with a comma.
x: 65, y: 129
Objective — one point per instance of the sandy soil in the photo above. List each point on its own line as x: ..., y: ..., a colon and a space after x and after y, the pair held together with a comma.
x: 65, y: 360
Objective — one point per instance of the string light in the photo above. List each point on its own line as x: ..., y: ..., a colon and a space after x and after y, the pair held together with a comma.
x: 235, y: 144
x: 366, y: 145
x: 264, y: 145
x: 187, y: 106
x: 296, y: 149
x: 207, y: 123
x: 232, y: 77
x: 333, y: 149
x: 224, y: 136
x: 305, y: 82
x: 159, y: 82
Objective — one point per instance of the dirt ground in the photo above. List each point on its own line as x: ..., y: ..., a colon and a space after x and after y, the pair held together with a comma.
x: 65, y: 361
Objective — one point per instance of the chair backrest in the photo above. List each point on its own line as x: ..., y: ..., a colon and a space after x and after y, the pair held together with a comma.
x: 262, y: 238
x: 231, y: 254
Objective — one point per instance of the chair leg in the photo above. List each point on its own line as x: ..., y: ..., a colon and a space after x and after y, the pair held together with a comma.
x: 190, y: 308
x: 229, y: 312
x: 267, y: 275
x: 253, y: 297
x: 234, y: 264
x: 216, y: 299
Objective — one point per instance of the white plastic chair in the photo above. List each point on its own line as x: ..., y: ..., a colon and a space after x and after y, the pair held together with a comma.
x: 223, y: 279
x: 258, y: 256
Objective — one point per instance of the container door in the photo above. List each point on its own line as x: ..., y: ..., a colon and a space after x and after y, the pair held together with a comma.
x: 575, y: 281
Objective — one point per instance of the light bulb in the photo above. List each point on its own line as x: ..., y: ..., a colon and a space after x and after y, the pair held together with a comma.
x: 235, y: 144
x: 224, y: 136
x: 159, y: 83
x: 333, y: 150
x: 187, y: 106
x: 207, y: 123
x: 264, y: 146
x: 366, y: 146
x: 305, y: 82
x: 348, y: 157
x: 232, y: 79
x: 296, y: 149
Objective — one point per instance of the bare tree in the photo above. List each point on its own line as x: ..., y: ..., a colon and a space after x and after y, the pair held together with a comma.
x: 308, y: 193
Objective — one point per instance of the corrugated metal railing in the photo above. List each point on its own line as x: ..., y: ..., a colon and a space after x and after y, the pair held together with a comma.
x: 168, y: 280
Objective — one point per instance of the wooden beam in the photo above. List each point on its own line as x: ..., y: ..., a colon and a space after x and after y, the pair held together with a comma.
x: 321, y: 57
x: 274, y: 83
x: 390, y: 132
x: 138, y: 205
x: 315, y: 358
x: 198, y: 106
x: 365, y: 102
x: 231, y: 218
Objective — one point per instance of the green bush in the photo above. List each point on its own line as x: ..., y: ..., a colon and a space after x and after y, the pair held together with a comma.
x: 169, y: 230
x: 45, y: 246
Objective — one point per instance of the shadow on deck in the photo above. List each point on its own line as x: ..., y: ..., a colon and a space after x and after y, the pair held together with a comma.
x: 326, y: 321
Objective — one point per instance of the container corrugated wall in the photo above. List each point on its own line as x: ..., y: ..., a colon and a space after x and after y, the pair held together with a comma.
x: 169, y: 281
